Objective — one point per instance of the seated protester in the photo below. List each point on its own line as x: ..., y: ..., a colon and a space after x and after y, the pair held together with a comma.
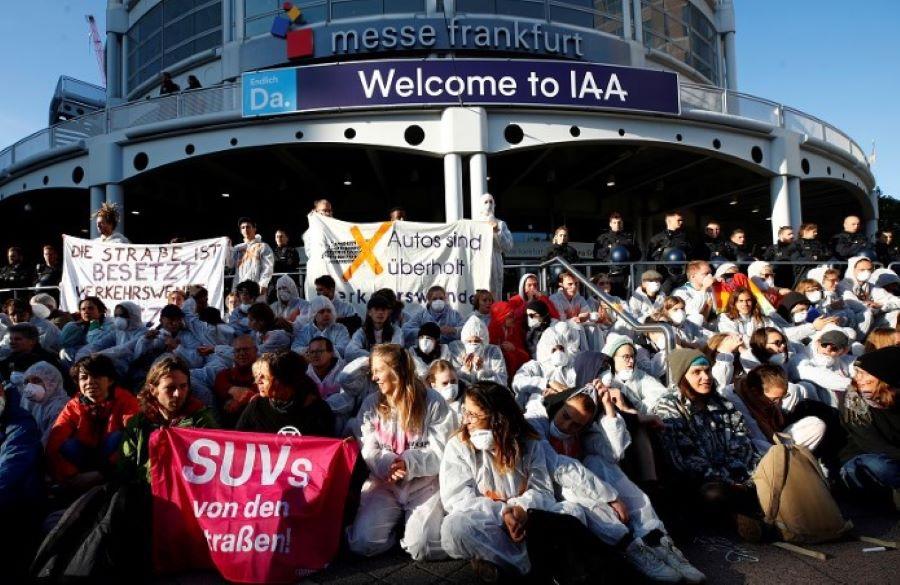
x: 872, y: 304
x: 762, y: 275
x: 492, y: 474
x: 20, y: 311
x: 165, y: 402
x: 84, y: 441
x: 288, y: 399
x: 696, y: 293
x: 723, y: 352
x: 770, y: 346
x: 886, y: 279
x: 793, y: 311
x: 760, y: 396
x: 44, y: 306
x: 881, y: 337
x: 553, y: 370
x: 827, y: 365
x: 537, y: 320
x: 687, y: 332
x: 603, y: 319
x: 288, y: 305
x: 44, y: 396
x: 576, y: 426
x: 742, y: 315
x: 871, y: 417
x: 640, y: 389
x: 231, y: 303
x: 569, y: 302
x: 270, y: 333
x: 506, y: 332
x: 173, y: 336
x: 706, y: 442
x: 474, y: 358
x: 128, y: 328
x: 812, y: 290
x: 441, y: 377
x: 356, y: 385
x: 25, y: 351
x: 529, y: 290
x: 428, y: 348
x: 217, y: 330
x: 345, y: 314
x: 91, y: 325
x: 482, y: 301
x: 325, y: 364
x: 376, y: 329
x: 235, y: 387
x: 437, y: 311
x: 247, y: 293
x: 21, y: 486
x: 647, y: 298
x: 404, y: 427
x: 322, y: 323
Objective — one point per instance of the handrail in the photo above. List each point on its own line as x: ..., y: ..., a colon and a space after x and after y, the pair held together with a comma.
x: 633, y: 323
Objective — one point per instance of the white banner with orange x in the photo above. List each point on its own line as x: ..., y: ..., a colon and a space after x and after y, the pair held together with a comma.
x: 404, y: 256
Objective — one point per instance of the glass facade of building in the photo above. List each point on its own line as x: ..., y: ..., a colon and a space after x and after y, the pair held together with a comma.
x: 681, y: 30
x: 169, y: 32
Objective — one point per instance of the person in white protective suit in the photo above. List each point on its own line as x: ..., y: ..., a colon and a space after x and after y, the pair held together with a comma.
x: 641, y: 389
x: 323, y: 323
x: 21, y: 311
x: 872, y: 305
x: 442, y: 378
x: 492, y: 474
x: 120, y: 343
x: 474, y: 358
x: 377, y: 328
x: 503, y: 241
x: 252, y: 259
x: 584, y: 424
x: 553, y: 370
x: 437, y: 310
x: 404, y: 428
x: 288, y: 305
x: 43, y: 396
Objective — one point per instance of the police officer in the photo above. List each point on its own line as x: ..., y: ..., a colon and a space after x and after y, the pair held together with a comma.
x: 850, y: 242
x: 616, y: 237
x: 49, y: 272
x: 713, y: 240
x: 561, y: 247
x: 809, y: 248
x: 887, y: 248
x: 784, y: 250
x: 673, y: 236
x: 737, y: 249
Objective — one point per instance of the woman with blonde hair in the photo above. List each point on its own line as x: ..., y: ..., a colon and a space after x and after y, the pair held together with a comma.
x: 403, y: 427
x: 882, y: 337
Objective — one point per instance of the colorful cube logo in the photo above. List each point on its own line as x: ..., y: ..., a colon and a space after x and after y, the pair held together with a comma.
x: 299, y: 41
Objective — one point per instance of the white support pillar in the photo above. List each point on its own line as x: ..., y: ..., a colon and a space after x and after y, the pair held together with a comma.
x: 478, y: 184
x: 115, y: 194
x: 796, y: 208
x: 780, y: 203
x: 626, y: 19
x: 98, y: 196
x: 453, y: 187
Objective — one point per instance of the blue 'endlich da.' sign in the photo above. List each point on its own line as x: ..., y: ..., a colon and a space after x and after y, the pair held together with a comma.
x: 397, y: 83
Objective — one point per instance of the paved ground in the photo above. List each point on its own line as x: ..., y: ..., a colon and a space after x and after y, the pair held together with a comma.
x: 724, y: 560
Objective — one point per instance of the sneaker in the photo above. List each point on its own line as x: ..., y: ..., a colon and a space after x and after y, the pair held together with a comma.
x: 749, y: 529
x: 485, y: 571
x: 648, y: 564
x: 670, y: 555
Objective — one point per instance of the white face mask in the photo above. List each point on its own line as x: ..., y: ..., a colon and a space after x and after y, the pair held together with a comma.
x: 814, y: 296
x: 245, y: 307
x: 449, y: 392
x: 482, y: 439
x: 284, y: 296
x: 594, y: 316
x: 652, y: 287
x: 558, y: 434
x: 438, y: 305
x: 473, y: 348
x: 560, y: 359
x: 534, y: 322
x: 777, y: 359
x: 823, y: 360
x: 34, y: 392
x: 121, y: 323
x: 677, y: 316
x: 426, y: 344
x: 863, y: 275
x: 770, y: 282
x: 799, y: 317
x: 624, y: 375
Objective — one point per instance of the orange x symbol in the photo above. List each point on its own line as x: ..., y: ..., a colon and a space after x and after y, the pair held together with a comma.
x: 366, y: 250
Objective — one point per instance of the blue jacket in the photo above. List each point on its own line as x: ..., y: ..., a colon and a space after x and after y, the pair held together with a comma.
x: 20, y: 456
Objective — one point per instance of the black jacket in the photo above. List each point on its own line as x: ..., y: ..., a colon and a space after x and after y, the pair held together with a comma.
x: 714, y: 246
x: 670, y: 239
x: 609, y: 239
x: 286, y: 259
x: 314, y: 419
x: 781, y: 252
x: 565, y: 251
x: 47, y: 275
x: 887, y: 253
x: 811, y: 250
x: 734, y: 252
x: 15, y: 276
x: 846, y: 245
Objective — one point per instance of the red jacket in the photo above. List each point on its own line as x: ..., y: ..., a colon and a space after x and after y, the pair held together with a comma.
x: 90, y: 424
x: 513, y: 333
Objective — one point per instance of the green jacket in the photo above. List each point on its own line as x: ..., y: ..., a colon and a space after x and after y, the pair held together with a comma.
x: 134, y: 456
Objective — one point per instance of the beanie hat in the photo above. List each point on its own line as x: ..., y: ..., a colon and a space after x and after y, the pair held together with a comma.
x: 430, y: 329
x: 614, y: 342
x: 680, y: 360
x: 882, y: 363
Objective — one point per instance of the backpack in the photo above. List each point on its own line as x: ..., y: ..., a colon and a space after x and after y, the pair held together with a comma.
x: 794, y: 496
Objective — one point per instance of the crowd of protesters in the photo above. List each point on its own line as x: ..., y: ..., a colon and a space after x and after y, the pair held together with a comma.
x: 541, y: 416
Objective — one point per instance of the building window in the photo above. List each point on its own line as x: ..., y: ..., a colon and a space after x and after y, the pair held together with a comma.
x: 355, y: 8
x: 169, y: 32
x: 681, y: 30
x: 525, y: 8
x: 602, y: 15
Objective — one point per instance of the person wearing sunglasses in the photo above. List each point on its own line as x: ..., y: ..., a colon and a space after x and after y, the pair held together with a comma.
x: 827, y: 365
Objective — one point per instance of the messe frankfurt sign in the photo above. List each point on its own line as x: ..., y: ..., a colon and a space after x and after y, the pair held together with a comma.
x: 458, y: 82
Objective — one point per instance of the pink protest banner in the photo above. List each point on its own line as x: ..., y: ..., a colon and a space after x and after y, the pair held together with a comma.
x: 260, y: 508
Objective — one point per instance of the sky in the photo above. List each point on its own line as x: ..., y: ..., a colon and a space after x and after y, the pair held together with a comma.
x: 838, y: 61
